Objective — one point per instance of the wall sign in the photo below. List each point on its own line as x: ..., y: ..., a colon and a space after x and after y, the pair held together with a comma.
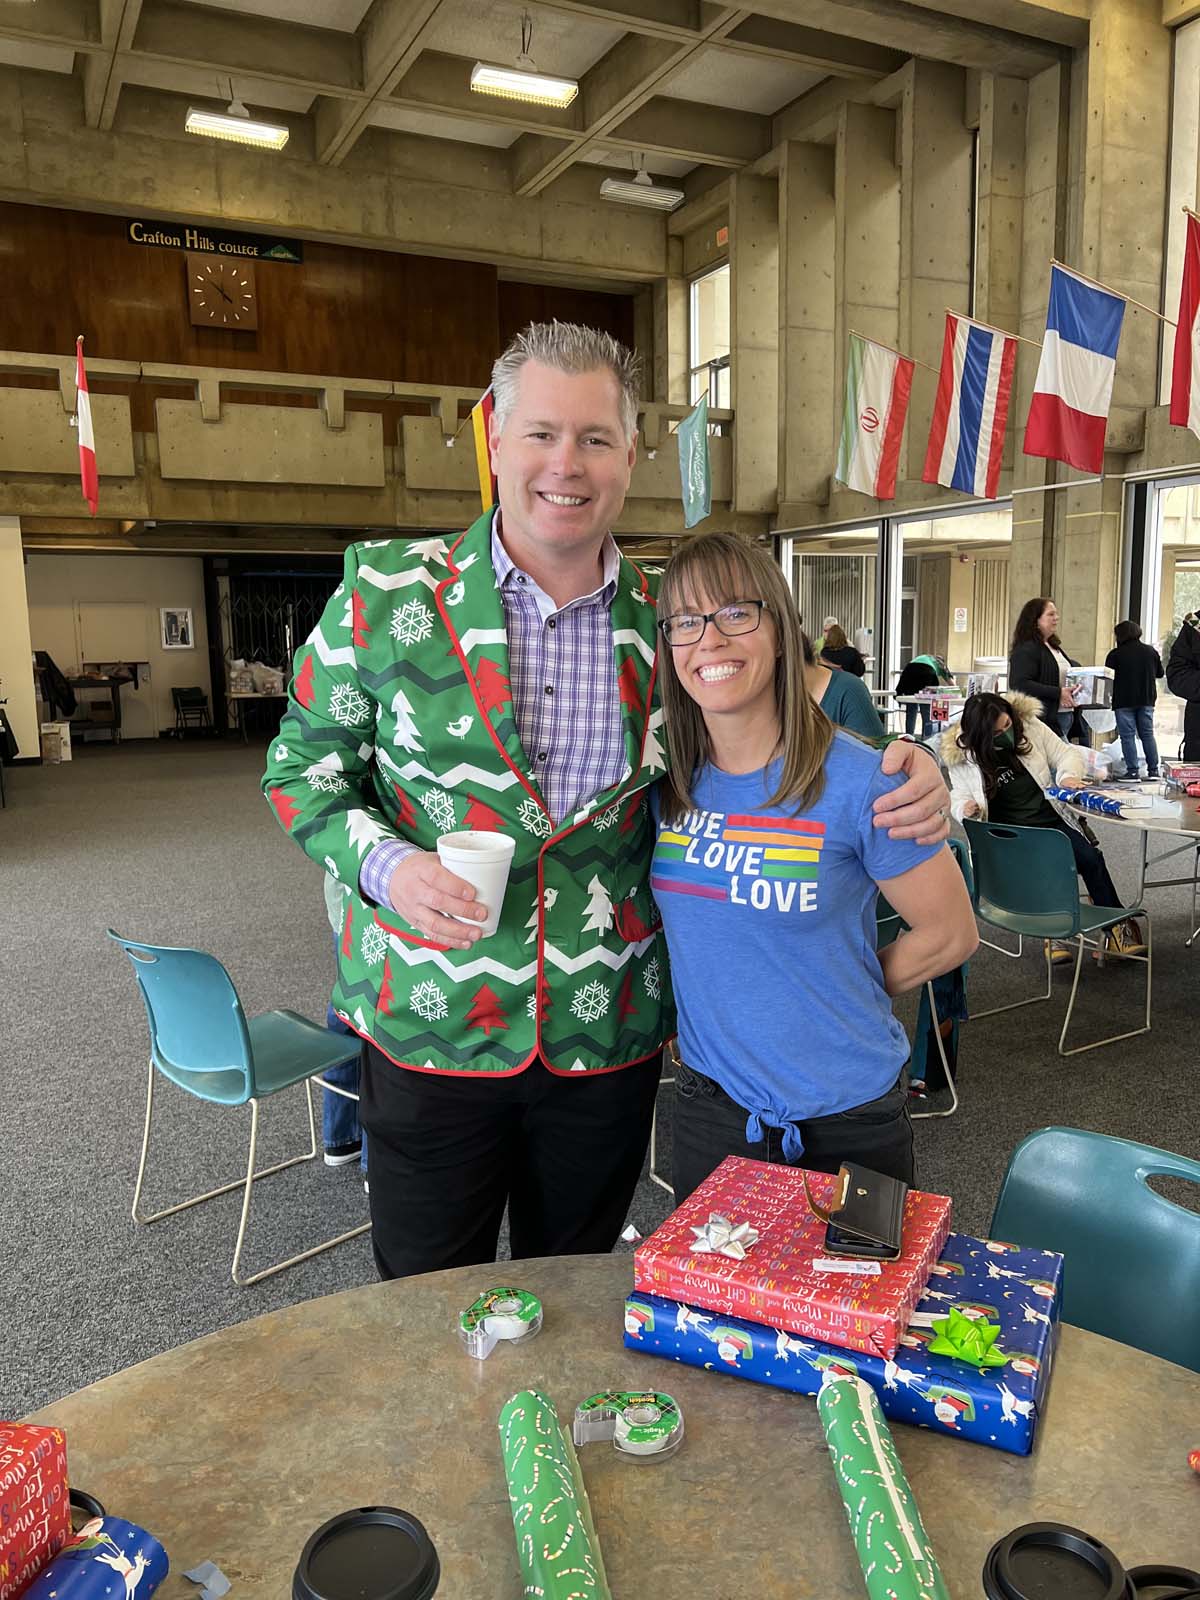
x: 213, y: 241
x: 960, y: 619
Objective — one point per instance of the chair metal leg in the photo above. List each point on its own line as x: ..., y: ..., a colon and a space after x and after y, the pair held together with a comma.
x: 1113, y: 1038
x: 918, y: 1116
x: 1013, y: 955
x: 245, y: 1184
x: 1187, y: 943
x: 654, y: 1175
x: 1015, y: 1005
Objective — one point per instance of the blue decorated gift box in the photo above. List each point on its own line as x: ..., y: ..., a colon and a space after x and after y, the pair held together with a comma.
x: 999, y: 1406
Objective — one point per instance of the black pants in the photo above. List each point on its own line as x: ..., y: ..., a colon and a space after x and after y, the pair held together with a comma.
x: 709, y: 1125
x: 447, y: 1154
x: 1092, y: 868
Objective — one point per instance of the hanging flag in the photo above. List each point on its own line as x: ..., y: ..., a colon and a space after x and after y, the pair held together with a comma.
x: 87, y: 440
x: 970, y: 411
x: 481, y: 418
x: 1073, y: 391
x: 878, y: 384
x: 695, y: 477
x: 1185, y: 375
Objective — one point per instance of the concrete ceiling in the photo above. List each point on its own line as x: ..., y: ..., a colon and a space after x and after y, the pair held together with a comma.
x: 689, y: 85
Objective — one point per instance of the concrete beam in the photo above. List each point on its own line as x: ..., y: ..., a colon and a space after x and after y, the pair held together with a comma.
x: 667, y: 19
x: 710, y: 134
x: 810, y: 47
x: 390, y: 41
x: 284, y: 52
x: 1062, y: 22
x: 65, y: 22
x: 1177, y: 12
x: 102, y: 76
x: 914, y: 31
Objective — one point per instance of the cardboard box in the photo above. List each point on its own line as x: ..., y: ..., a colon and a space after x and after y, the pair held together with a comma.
x: 783, y: 1279
x: 998, y: 1406
x: 35, y: 1511
x: 56, y: 742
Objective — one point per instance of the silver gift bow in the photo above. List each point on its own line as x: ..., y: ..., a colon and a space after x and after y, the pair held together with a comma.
x: 721, y: 1237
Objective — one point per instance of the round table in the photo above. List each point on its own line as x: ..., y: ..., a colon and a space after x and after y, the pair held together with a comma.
x: 1177, y: 817
x: 235, y: 1447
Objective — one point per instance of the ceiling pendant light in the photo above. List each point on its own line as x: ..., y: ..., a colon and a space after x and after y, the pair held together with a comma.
x: 642, y: 191
x: 523, y: 81
x: 237, y: 126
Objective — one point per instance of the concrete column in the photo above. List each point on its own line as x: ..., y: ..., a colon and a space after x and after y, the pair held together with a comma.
x: 669, y: 378
x: 643, y: 335
x: 1087, y: 559
x: 935, y: 230
x: 1000, y: 199
x: 867, y: 258
x: 754, y: 329
x: 807, y: 233
x: 16, y: 671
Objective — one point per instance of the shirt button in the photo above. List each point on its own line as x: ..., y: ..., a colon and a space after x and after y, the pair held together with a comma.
x: 520, y: 577
x: 549, y: 688
x: 542, y: 757
x: 551, y: 623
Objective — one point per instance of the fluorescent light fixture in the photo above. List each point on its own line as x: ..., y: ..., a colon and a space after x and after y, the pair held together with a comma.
x: 642, y: 191
x: 521, y: 83
x: 237, y: 126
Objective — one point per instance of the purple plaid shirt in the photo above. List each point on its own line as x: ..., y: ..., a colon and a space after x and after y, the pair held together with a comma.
x: 565, y: 700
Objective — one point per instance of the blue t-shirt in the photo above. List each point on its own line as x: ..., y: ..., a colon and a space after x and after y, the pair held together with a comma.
x: 770, y: 924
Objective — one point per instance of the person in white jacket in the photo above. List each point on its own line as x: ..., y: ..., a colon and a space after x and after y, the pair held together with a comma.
x: 1001, y: 759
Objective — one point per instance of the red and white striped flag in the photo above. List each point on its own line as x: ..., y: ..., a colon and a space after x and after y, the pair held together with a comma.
x: 1185, y: 374
x: 87, y: 441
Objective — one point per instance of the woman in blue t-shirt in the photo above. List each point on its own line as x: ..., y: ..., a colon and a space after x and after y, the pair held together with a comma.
x: 766, y: 871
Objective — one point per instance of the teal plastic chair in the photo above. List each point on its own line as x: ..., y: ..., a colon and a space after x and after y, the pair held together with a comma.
x: 1026, y: 883
x: 202, y: 1040
x: 1132, y: 1257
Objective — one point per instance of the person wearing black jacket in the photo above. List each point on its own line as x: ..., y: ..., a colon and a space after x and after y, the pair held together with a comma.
x: 1183, y: 679
x: 839, y: 652
x: 1135, y: 669
x: 1037, y: 663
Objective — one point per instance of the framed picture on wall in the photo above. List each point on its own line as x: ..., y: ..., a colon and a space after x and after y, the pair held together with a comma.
x: 177, y: 630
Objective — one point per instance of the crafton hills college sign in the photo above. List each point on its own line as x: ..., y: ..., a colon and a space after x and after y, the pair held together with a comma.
x: 213, y: 241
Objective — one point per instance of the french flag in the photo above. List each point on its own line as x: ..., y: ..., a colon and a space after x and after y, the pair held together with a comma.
x: 970, y: 411
x: 1073, y: 391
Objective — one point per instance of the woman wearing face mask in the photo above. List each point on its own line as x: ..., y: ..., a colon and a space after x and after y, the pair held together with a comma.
x: 1038, y: 664
x: 766, y: 872
x: 1000, y: 759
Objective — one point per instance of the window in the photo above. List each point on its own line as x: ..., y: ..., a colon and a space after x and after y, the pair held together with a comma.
x: 708, y: 339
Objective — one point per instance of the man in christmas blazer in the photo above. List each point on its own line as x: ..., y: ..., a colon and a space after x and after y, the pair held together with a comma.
x: 521, y: 1069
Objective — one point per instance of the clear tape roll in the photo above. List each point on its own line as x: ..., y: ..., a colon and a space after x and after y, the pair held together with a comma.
x: 638, y: 1423
x: 507, y: 1314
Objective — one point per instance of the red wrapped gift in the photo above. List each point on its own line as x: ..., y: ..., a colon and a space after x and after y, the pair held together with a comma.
x: 35, y: 1511
x: 775, y: 1282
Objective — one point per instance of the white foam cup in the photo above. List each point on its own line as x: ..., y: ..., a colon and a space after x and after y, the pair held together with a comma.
x: 483, y: 860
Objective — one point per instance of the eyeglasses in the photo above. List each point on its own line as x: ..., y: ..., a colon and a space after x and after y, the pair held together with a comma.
x: 687, y: 627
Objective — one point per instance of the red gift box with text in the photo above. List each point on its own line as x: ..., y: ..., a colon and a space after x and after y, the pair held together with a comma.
x: 777, y: 1284
x: 35, y: 1510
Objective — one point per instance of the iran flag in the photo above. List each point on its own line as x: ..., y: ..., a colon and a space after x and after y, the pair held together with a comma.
x: 878, y: 385
x: 1185, y: 374
x: 87, y: 440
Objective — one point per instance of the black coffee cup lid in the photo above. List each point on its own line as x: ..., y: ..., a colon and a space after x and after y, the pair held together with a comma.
x: 1175, y: 1583
x: 374, y: 1553
x: 1049, y: 1561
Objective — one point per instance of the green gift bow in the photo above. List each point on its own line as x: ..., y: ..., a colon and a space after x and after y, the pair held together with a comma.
x: 966, y: 1340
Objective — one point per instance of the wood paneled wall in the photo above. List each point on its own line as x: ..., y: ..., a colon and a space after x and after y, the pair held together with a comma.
x: 342, y: 312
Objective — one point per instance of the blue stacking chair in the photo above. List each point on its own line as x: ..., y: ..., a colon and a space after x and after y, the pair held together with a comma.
x: 202, y: 1040
x: 1026, y: 883
x: 1132, y: 1256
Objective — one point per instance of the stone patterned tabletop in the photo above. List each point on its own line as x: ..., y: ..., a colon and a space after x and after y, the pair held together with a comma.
x: 235, y: 1447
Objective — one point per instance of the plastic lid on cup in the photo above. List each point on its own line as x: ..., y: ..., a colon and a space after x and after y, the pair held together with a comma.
x: 1050, y: 1561
x: 373, y: 1553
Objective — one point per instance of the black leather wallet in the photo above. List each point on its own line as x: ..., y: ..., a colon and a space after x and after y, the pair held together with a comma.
x: 866, y: 1217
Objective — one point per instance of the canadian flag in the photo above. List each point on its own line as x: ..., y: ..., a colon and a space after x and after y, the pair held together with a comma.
x: 87, y: 440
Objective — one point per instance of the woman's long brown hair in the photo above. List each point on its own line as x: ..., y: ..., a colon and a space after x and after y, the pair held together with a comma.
x: 722, y: 569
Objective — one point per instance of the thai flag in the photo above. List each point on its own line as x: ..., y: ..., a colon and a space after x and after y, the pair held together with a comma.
x: 87, y: 442
x: 970, y: 412
x: 1073, y: 391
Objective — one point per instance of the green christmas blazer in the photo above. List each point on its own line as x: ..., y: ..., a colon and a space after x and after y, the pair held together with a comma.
x: 400, y: 725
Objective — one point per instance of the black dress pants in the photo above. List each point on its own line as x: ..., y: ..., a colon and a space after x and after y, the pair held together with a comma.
x: 1092, y: 868
x: 447, y: 1154
x: 710, y: 1125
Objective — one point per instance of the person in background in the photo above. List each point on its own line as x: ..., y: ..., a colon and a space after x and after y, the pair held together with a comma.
x: 838, y: 650
x: 844, y: 699
x: 1001, y: 758
x: 1135, y: 669
x: 921, y: 673
x: 1038, y: 665
x: 829, y: 622
x: 1183, y: 679
x: 789, y: 1048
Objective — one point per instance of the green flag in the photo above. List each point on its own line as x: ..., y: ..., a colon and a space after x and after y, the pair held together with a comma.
x: 694, y: 476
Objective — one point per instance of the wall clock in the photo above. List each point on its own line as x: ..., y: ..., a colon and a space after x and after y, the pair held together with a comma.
x: 221, y: 293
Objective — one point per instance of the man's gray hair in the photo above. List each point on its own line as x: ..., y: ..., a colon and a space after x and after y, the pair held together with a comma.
x: 571, y: 348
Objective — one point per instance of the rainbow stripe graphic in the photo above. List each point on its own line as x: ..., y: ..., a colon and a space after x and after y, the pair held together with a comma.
x: 693, y: 863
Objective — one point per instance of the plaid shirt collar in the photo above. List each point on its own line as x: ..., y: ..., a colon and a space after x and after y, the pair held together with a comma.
x: 507, y: 572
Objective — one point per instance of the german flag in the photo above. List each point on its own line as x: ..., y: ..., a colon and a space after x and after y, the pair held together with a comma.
x: 481, y: 416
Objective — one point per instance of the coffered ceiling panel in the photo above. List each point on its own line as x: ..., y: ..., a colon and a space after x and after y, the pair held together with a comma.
x: 208, y: 84
x: 435, y: 126
x: 740, y: 82
x: 564, y: 44
x: 342, y: 15
x: 41, y: 57
x: 625, y: 163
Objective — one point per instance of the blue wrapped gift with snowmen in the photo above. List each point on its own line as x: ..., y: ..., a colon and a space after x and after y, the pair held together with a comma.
x: 984, y: 1279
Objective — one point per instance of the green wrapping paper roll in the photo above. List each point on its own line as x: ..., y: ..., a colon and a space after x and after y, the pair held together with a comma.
x: 893, y: 1547
x: 557, y: 1546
